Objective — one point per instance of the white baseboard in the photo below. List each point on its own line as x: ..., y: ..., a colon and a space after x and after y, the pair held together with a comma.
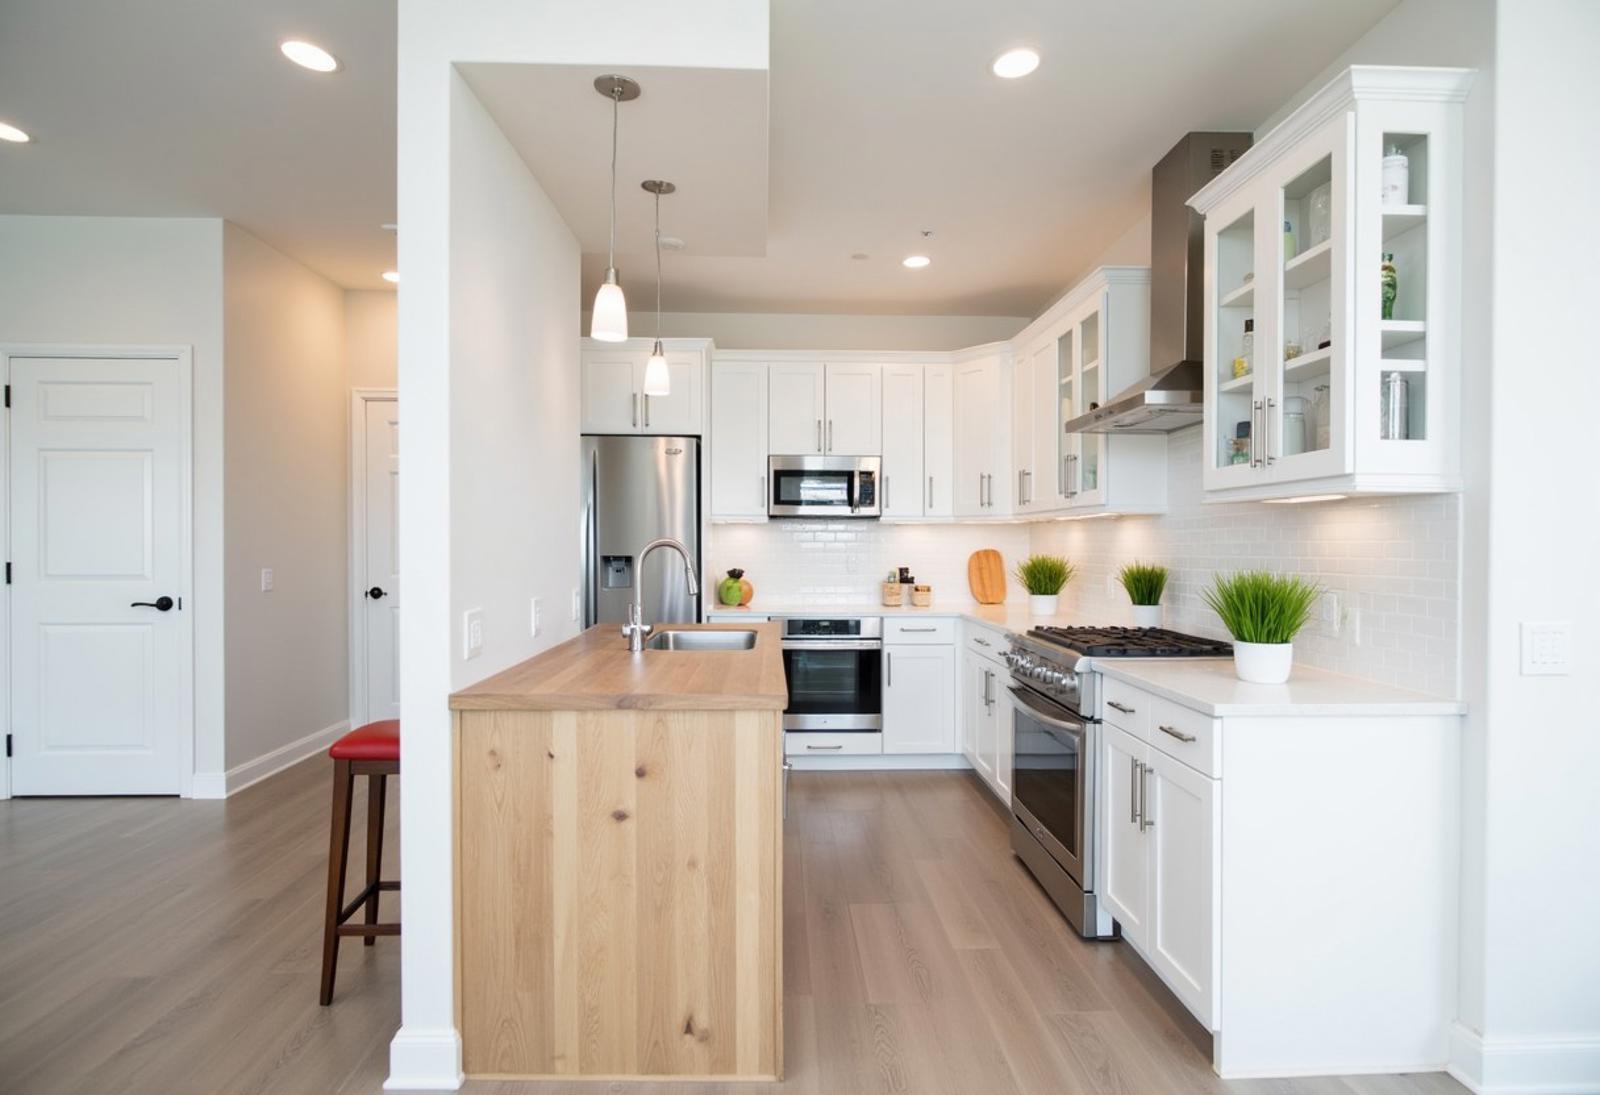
x: 237, y: 778
x: 425, y: 1060
x: 1525, y: 1066
x: 884, y: 762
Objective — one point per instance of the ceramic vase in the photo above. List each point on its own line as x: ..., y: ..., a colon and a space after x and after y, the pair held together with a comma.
x: 1043, y: 604
x: 1263, y: 663
x: 1146, y: 615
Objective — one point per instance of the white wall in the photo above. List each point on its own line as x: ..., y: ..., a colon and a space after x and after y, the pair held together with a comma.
x: 286, y: 480
x: 141, y: 281
x: 370, y: 334
x: 800, y: 331
x: 432, y: 35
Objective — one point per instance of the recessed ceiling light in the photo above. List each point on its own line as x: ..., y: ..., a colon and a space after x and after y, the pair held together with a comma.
x: 915, y: 262
x: 392, y: 277
x: 308, y: 55
x: 11, y: 133
x: 1015, y: 63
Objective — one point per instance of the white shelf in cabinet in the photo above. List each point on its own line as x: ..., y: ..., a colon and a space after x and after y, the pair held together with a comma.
x: 1314, y: 363
x: 1400, y: 219
x: 1394, y: 332
x: 1242, y: 297
x: 1404, y: 365
x: 1309, y: 267
x: 1237, y: 384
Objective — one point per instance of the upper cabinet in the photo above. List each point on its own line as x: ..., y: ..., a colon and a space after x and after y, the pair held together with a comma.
x: 1332, y: 295
x: 938, y: 439
x: 901, y: 492
x: 612, y: 387
x: 832, y: 409
x: 738, y: 441
x: 982, y: 449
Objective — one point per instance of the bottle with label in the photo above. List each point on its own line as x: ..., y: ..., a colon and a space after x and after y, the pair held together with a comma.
x: 1396, y: 177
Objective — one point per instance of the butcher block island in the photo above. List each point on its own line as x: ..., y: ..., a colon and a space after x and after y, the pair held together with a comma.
x: 619, y: 863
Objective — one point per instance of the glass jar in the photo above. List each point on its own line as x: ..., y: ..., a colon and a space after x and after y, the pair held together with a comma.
x: 1294, y: 425
x: 1321, y: 417
x: 1320, y: 213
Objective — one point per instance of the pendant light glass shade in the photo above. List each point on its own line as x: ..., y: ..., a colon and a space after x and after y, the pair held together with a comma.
x: 609, y: 320
x: 657, y: 377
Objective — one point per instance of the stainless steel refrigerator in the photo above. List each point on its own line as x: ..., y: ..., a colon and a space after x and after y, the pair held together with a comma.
x: 636, y: 489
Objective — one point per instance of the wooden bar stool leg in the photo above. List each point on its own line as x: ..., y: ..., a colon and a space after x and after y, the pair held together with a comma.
x: 338, y: 858
x: 377, y: 789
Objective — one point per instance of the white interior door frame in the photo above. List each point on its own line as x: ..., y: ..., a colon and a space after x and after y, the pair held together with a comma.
x: 182, y: 358
x: 355, y: 588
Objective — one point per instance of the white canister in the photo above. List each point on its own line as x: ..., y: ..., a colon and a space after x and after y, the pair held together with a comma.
x: 1396, y: 177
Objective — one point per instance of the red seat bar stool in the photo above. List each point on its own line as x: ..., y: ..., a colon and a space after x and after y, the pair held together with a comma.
x: 373, y: 751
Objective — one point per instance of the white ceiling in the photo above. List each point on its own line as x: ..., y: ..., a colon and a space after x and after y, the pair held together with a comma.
x: 884, y: 121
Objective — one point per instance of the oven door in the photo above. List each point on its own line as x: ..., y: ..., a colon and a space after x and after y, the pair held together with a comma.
x: 1050, y: 780
x: 834, y: 685
x: 822, y: 486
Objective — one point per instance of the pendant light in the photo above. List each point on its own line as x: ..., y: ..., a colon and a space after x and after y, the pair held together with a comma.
x: 608, y: 322
x: 657, y: 377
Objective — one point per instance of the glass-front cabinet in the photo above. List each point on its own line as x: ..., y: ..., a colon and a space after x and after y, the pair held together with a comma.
x: 1332, y: 295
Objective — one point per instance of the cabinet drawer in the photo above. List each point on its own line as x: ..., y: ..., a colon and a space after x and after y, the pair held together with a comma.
x: 933, y: 632
x: 1186, y: 735
x: 990, y: 644
x: 1128, y: 708
x: 807, y: 744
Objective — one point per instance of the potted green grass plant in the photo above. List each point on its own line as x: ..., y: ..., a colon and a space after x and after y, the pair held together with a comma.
x: 1263, y: 612
x: 1044, y: 577
x: 1145, y: 582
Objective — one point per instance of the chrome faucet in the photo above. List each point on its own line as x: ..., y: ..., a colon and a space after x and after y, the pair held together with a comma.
x: 636, y: 629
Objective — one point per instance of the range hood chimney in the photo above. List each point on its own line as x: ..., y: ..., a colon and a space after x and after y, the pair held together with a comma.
x: 1173, y: 395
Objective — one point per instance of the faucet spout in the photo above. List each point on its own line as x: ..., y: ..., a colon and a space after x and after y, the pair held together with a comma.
x: 636, y: 629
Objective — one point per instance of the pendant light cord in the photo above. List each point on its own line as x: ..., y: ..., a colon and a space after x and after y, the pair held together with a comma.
x: 616, y: 100
x: 658, y: 264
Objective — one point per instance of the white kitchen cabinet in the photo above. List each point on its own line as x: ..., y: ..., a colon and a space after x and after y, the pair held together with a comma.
x: 1022, y: 428
x: 982, y: 409
x: 986, y: 711
x: 919, y: 698
x: 853, y: 421
x: 903, y: 495
x: 938, y: 440
x: 738, y: 442
x: 1043, y: 482
x: 795, y: 408
x: 1180, y: 807
x: 1125, y: 868
x: 1296, y: 234
x: 612, y: 399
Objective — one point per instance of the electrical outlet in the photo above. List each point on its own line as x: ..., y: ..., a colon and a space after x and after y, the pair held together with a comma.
x: 537, y: 620
x: 1546, y: 648
x: 575, y: 604
x: 471, y: 633
x: 266, y: 579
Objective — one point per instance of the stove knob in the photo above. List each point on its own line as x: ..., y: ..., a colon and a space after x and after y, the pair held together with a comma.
x: 1060, y: 679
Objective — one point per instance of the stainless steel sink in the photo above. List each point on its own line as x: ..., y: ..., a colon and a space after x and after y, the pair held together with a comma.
x: 701, y: 640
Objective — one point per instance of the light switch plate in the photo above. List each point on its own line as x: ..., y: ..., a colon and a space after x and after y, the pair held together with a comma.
x: 471, y: 633
x: 536, y: 620
x: 1546, y: 648
x: 266, y: 579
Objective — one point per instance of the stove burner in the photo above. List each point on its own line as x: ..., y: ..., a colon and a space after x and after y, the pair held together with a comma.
x: 1132, y: 642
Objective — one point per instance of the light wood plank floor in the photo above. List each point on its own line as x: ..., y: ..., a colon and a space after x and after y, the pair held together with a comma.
x: 165, y: 947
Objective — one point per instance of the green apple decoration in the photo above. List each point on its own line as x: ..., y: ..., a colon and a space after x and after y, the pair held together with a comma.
x: 730, y: 591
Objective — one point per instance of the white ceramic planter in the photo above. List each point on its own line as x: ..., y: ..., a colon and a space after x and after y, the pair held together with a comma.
x: 1146, y: 615
x: 1043, y: 604
x: 1263, y: 663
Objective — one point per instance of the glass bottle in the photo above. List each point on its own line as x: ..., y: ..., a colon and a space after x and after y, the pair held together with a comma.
x: 1391, y: 284
x: 1247, y: 346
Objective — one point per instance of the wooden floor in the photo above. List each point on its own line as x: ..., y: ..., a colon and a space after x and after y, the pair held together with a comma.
x: 166, y: 947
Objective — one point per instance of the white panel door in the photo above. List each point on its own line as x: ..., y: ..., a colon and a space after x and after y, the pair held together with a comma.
x: 380, y: 581
x: 919, y: 699
x: 976, y: 740
x: 738, y: 439
x: 610, y: 392
x: 1125, y: 879
x: 938, y: 440
x: 1022, y: 431
x: 1180, y: 826
x: 903, y: 493
x: 976, y: 399
x: 681, y: 411
x: 795, y: 409
x: 101, y: 684
x: 1044, y: 485
x: 855, y: 410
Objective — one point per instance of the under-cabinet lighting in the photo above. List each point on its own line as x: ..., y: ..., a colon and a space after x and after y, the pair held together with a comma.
x: 309, y: 55
x: 9, y: 132
x: 1015, y: 63
x: 1089, y: 516
x: 392, y: 277
x: 1302, y: 498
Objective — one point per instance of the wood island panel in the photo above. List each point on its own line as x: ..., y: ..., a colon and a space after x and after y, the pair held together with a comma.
x: 619, y: 894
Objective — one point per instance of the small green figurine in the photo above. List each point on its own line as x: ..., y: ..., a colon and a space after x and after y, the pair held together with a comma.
x: 1391, y: 284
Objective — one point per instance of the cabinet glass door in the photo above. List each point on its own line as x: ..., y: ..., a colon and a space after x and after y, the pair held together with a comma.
x: 1090, y: 470
x: 1234, y: 383
x: 1066, y: 383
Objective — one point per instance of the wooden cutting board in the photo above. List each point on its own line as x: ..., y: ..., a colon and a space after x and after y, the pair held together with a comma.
x: 986, y: 577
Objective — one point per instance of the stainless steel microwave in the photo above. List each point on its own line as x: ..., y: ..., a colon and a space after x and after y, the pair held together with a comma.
x: 823, y: 486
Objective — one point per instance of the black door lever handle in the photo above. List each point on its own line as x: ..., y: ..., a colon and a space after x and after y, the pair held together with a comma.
x: 160, y: 604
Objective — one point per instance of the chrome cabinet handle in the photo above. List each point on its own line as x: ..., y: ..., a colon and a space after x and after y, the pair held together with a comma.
x: 819, y: 435
x: 1255, y: 434
x: 1266, y: 432
x: 1114, y: 705
x: 823, y: 748
x: 916, y: 630
x: 1021, y: 500
x: 1029, y: 480
x: 763, y: 492
x: 981, y: 642
x: 988, y: 691
x: 646, y: 400
x: 886, y: 492
x: 635, y: 401
x: 1133, y: 791
x: 888, y: 665
x: 1174, y: 732
x: 930, y: 492
x: 1145, y: 820
x: 830, y: 435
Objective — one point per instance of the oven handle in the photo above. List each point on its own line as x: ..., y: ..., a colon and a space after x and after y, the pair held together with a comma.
x: 831, y: 644
x: 1076, y: 729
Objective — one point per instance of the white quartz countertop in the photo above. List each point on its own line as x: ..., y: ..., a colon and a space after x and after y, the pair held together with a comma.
x: 1209, y: 685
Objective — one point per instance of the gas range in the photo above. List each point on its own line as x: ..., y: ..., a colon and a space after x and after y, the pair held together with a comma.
x: 1057, y: 661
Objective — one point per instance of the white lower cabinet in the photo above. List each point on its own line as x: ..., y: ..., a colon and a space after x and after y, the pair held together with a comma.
x: 1125, y: 865
x: 919, y: 698
x: 986, y: 713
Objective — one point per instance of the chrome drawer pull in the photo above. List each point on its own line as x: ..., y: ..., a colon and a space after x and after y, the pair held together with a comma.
x: 1133, y: 792
x: 1119, y: 707
x: 823, y: 748
x: 1179, y: 734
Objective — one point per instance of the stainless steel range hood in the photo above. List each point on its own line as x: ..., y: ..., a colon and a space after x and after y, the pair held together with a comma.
x: 1173, y: 395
